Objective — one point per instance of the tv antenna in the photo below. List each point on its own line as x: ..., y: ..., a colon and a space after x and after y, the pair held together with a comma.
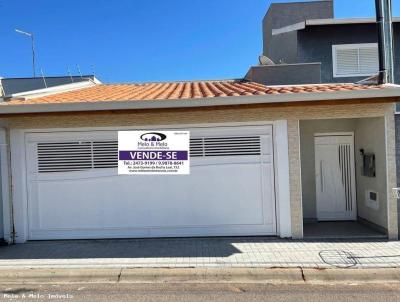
x: 33, y: 47
x: 70, y: 75
x: 79, y: 70
x: 44, y: 79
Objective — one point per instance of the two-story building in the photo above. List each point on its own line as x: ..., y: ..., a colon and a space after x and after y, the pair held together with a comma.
x: 304, y: 44
x: 307, y: 45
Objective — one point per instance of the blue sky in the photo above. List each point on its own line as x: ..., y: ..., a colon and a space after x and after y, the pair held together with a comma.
x: 140, y: 41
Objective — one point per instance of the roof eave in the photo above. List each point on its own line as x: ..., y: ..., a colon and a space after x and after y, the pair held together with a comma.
x: 387, y: 92
x: 324, y: 22
x: 344, y: 21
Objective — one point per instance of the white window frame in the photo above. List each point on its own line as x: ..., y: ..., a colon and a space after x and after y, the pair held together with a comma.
x: 350, y: 46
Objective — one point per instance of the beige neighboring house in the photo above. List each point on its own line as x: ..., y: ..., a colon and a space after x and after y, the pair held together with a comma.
x: 261, y: 157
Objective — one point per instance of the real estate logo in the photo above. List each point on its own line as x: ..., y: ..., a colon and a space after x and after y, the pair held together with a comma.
x: 153, y: 152
x: 153, y: 137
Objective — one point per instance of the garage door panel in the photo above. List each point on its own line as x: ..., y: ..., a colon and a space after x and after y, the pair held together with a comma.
x: 215, y: 195
x: 242, y: 230
x: 224, y: 195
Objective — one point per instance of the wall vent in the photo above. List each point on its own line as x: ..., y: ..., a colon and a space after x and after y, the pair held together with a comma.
x: 85, y: 155
x: 76, y: 156
x: 105, y: 154
x: 65, y: 156
x: 196, y: 147
x: 225, y: 146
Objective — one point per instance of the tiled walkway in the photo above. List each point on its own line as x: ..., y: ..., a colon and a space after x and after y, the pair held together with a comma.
x: 341, y: 229
x: 203, y: 252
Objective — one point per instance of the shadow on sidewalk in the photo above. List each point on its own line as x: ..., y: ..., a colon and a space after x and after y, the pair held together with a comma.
x: 121, y: 248
x: 212, y: 247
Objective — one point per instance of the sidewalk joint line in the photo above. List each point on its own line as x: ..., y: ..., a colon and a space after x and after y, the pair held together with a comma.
x: 119, y: 275
x: 302, y: 274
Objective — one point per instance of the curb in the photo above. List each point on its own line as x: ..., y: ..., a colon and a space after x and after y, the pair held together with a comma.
x: 200, y: 275
x: 212, y: 275
x: 345, y: 276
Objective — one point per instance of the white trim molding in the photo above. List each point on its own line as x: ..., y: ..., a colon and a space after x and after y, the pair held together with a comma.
x: 5, y: 220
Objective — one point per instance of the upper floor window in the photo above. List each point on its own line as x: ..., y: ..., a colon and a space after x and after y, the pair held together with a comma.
x: 354, y: 60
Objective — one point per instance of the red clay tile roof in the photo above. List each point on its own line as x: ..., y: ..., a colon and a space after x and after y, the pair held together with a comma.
x: 179, y: 90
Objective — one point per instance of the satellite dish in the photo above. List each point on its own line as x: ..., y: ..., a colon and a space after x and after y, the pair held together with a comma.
x: 264, y: 60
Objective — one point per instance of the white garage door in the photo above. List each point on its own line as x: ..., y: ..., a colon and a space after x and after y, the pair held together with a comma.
x: 74, y: 190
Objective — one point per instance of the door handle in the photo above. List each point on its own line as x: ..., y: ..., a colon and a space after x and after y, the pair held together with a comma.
x: 321, y: 176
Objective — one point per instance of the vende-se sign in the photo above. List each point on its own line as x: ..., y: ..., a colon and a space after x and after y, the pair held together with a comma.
x: 153, y: 152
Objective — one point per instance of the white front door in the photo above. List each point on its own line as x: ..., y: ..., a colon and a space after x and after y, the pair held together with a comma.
x: 74, y: 190
x: 335, y: 177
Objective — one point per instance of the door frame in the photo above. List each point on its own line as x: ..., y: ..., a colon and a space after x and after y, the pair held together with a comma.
x: 262, y: 223
x: 353, y: 215
x: 6, y: 210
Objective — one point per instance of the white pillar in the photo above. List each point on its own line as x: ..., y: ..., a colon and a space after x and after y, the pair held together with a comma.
x: 282, y: 183
x: 5, y: 208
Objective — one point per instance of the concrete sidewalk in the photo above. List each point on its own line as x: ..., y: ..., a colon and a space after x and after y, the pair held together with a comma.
x: 228, y: 252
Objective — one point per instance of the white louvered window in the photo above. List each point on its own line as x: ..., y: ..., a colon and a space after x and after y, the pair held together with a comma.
x: 354, y: 60
x: 225, y: 146
x: 77, y: 156
x: 105, y: 154
x: 196, y: 147
x: 88, y: 155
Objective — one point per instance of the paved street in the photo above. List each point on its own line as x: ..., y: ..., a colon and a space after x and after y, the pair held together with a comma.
x: 199, y: 292
x: 203, y: 252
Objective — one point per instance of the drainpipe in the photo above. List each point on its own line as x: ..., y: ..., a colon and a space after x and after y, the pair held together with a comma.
x: 385, y: 40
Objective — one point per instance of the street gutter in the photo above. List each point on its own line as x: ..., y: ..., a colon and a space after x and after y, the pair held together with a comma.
x: 201, y: 275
